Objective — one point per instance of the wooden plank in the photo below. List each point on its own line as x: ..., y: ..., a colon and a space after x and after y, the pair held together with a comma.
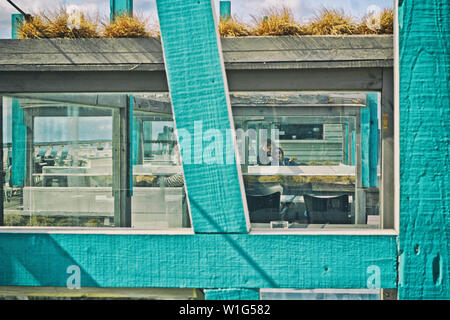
x: 198, y: 261
x: 306, y: 43
x: 231, y: 294
x: 198, y: 89
x: 365, y: 146
x: 64, y: 293
x: 241, y: 53
x: 299, y: 98
x: 308, y: 55
x: 94, y: 45
x: 159, y: 66
x: 372, y: 104
x: 387, y: 151
x: 81, y: 58
x: 19, y: 138
x: 16, y: 21
x: 424, y: 150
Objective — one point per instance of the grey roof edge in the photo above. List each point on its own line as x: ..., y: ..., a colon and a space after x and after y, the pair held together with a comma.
x: 239, y: 53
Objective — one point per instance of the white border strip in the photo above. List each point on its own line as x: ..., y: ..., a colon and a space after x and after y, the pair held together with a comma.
x: 396, y: 120
x: 188, y: 231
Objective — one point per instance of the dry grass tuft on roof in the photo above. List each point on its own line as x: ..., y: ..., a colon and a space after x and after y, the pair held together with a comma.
x: 271, y: 22
x: 59, y: 24
x: 125, y: 26
x: 331, y: 22
x: 276, y: 22
x: 63, y: 25
x: 378, y: 24
x: 36, y: 27
x: 233, y: 27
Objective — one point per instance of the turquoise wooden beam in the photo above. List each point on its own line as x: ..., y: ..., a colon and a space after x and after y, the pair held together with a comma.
x: 424, y: 97
x: 365, y: 146
x: 347, y: 145
x: 19, y: 131
x: 372, y: 104
x: 225, y: 9
x: 16, y: 21
x: 119, y: 7
x: 18, y: 150
x: 202, y: 111
x: 231, y: 294
x: 208, y: 261
x: 353, y: 147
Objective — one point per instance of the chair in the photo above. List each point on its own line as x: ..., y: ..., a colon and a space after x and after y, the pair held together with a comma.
x: 332, y: 210
x: 264, y: 203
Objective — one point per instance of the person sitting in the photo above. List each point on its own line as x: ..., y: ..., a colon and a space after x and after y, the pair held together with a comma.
x: 284, y: 161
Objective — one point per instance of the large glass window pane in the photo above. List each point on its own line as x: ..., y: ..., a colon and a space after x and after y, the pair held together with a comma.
x: 159, y: 197
x: 65, y: 164
x: 309, y: 159
x: 59, y: 163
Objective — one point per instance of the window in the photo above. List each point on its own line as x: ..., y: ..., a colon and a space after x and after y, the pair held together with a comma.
x: 310, y: 159
x: 64, y: 157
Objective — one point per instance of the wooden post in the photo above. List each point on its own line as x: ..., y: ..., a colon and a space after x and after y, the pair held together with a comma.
x: 16, y: 21
x: 372, y: 104
x: 365, y: 146
x: 120, y: 7
x: 225, y: 10
x: 19, y: 130
x: 198, y: 89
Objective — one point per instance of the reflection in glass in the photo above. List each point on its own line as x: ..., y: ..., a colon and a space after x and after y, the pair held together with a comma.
x: 159, y: 197
x: 61, y: 162
x: 304, y: 156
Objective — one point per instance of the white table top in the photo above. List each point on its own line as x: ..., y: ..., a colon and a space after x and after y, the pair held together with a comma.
x: 340, y: 170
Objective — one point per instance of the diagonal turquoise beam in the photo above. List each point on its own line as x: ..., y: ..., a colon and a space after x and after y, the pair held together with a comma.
x: 202, y: 111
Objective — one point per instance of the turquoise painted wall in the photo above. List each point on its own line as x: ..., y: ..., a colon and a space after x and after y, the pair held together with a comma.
x: 424, y: 40
x: 227, y: 261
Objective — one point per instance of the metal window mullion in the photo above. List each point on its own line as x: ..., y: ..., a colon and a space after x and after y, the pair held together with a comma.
x: 121, y: 167
x: 387, y: 151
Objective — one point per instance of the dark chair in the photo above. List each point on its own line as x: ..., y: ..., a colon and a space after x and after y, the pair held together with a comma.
x: 332, y: 210
x: 264, y: 203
